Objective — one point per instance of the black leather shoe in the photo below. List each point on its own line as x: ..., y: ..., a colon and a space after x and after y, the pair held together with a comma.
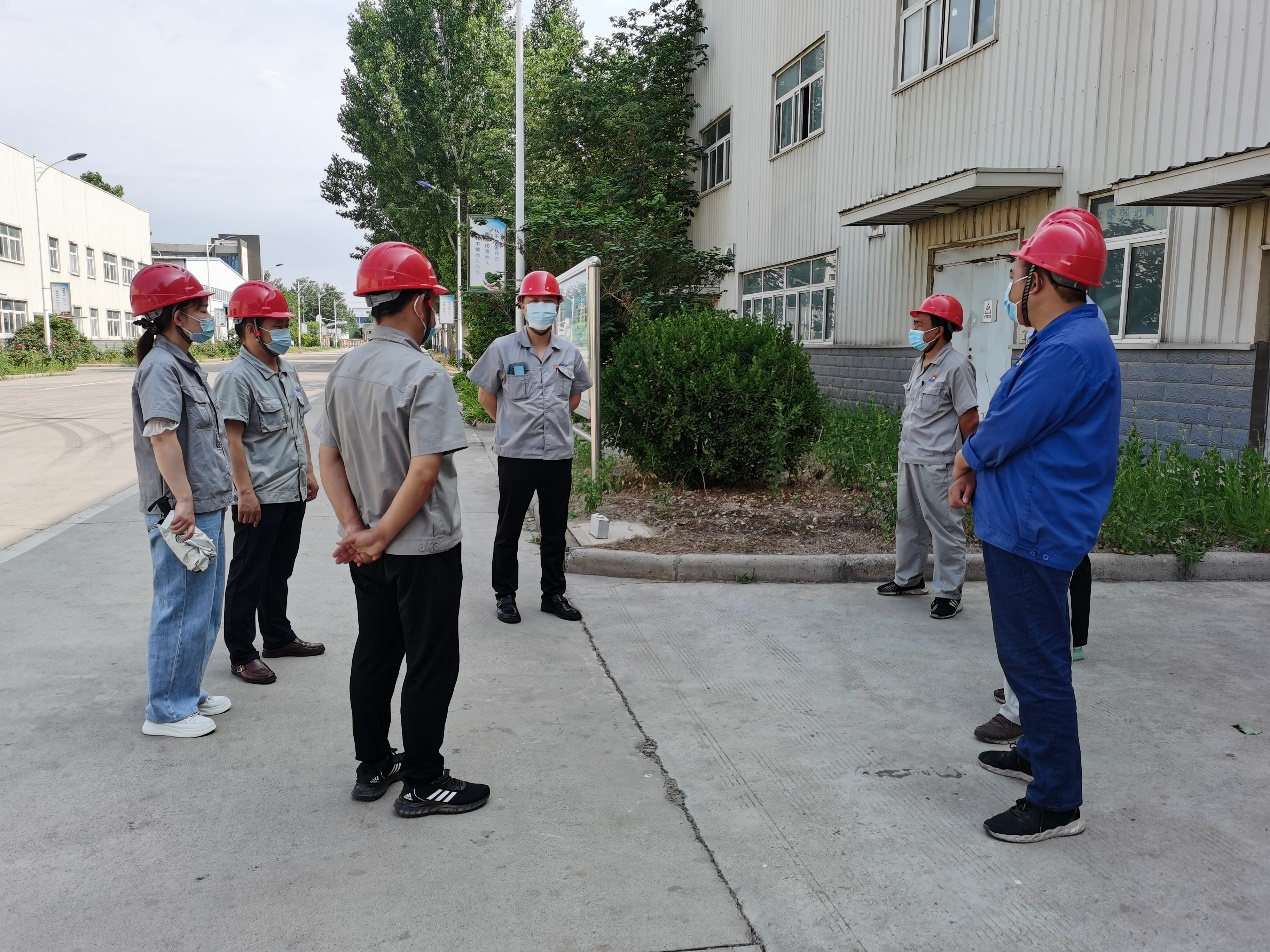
x: 507, y: 610
x: 559, y: 606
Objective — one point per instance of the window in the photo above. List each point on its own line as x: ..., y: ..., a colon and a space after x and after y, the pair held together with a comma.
x: 110, y: 267
x: 93, y: 325
x: 55, y: 255
x: 72, y: 254
x: 932, y: 32
x: 114, y: 326
x: 12, y: 315
x: 800, y: 94
x: 1133, y: 284
x: 77, y: 313
x: 129, y: 270
x: 91, y: 261
x: 799, y: 296
x: 716, y: 166
x: 129, y: 328
x: 10, y: 243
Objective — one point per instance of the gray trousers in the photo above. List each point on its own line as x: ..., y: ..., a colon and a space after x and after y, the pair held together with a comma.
x: 924, y: 517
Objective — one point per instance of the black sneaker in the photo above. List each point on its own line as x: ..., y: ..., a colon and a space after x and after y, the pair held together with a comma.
x: 559, y: 606
x: 944, y: 608
x: 507, y: 610
x: 890, y: 588
x: 446, y: 794
x: 1007, y: 763
x: 373, y: 780
x: 999, y: 730
x: 999, y: 694
x: 1025, y: 822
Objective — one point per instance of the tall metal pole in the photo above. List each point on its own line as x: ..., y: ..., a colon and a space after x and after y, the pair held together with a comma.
x: 520, y: 153
x: 299, y: 314
x: 459, y: 248
x: 41, y: 249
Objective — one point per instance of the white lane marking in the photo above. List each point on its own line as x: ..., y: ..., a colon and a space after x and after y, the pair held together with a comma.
x: 30, y: 542
x: 71, y: 386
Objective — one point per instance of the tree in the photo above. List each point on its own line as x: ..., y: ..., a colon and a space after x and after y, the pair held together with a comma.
x: 94, y: 178
x: 305, y: 305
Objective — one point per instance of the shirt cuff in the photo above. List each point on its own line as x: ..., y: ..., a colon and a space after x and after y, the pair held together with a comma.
x: 971, y: 456
x: 156, y: 426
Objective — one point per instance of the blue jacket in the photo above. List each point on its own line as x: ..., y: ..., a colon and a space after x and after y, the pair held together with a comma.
x: 1045, y: 455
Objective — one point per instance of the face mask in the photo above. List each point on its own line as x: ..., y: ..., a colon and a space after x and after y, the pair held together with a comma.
x: 279, y: 342
x: 540, y: 315
x: 207, y: 332
x: 428, y: 332
x: 917, y: 340
x: 1012, y: 309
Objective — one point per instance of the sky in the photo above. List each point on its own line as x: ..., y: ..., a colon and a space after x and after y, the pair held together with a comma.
x: 216, y: 117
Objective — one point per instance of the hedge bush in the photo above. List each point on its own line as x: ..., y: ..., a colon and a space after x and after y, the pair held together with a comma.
x: 70, y: 348
x: 710, y: 398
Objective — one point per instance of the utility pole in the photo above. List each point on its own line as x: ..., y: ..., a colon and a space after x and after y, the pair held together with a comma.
x: 520, y: 154
x: 41, y: 243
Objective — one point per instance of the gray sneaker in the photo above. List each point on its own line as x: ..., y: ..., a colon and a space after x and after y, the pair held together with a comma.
x: 999, y: 730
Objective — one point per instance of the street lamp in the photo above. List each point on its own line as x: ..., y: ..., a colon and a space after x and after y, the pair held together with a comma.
x: 299, y: 312
x: 41, y: 240
x: 208, y: 261
x: 456, y: 198
x: 335, y: 311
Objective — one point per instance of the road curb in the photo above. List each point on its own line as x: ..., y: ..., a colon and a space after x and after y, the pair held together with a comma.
x: 879, y: 567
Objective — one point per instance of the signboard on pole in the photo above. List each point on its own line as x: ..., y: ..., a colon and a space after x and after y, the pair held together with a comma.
x: 487, y: 253
x: 61, y: 294
x: 445, y: 313
x: 579, y: 322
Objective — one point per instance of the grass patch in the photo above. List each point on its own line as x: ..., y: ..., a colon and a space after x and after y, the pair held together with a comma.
x: 469, y: 402
x: 860, y: 446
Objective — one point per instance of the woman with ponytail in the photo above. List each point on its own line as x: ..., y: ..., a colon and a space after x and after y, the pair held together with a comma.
x: 183, y: 471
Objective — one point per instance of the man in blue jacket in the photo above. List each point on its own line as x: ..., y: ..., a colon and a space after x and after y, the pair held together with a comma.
x: 1040, y: 471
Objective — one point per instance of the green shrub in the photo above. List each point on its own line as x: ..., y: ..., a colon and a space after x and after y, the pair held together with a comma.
x: 860, y: 447
x: 708, y: 397
x: 466, y: 390
x: 217, y: 349
x: 26, y: 349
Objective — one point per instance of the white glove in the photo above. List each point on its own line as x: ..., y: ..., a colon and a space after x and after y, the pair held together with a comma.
x: 197, y: 553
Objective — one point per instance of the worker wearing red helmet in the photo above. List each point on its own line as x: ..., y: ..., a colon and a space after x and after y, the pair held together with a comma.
x: 392, y: 426
x: 1040, y: 471
x: 263, y: 405
x: 530, y: 383
x: 183, y: 476
x: 941, y: 409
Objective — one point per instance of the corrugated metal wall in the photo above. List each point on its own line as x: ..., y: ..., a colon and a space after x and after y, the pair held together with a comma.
x: 1105, y: 89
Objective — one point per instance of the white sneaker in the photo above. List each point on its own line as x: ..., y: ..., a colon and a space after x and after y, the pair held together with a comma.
x: 214, y: 704
x: 196, y: 725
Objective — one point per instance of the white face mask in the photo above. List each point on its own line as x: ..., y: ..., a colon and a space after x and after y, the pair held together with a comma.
x: 540, y: 314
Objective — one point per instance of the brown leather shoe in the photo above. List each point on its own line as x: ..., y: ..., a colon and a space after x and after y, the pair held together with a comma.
x: 254, y: 672
x: 297, y: 649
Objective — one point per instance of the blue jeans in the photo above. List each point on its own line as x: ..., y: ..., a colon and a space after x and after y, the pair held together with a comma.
x: 1030, y: 621
x: 184, y: 621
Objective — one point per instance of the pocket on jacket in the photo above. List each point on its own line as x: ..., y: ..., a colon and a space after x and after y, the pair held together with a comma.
x: 198, y: 409
x: 272, y: 416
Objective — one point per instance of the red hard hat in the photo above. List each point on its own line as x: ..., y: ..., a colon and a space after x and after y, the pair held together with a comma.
x: 258, y: 299
x: 941, y: 305
x: 396, y: 266
x: 1068, y: 243
x: 540, y: 284
x: 158, y: 285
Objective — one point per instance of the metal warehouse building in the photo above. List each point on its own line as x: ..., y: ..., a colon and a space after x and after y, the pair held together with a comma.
x: 864, y: 153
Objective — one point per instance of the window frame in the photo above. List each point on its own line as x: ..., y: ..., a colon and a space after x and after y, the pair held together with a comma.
x: 55, y: 253
x: 90, y: 260
x: 718, y: 144
x: 109, y: 266
x: 918, y: 9
x: 1126, y: 243
x: 114, y: 324
x: 11, y: 239
x: 794, y: 97
x: 127, y: 270
x: 829, y: 299
x: 72, y: 258
x: 94, y: 322
x: 11, y: 316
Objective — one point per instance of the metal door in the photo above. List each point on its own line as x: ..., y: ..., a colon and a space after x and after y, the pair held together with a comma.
x: 976, y: 275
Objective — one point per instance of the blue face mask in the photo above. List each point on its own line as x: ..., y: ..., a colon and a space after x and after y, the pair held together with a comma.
x: 917, y: 340
x: 207, y: 332
x: 279, y: 342
x: 428, y: 335
x: 540, y: 314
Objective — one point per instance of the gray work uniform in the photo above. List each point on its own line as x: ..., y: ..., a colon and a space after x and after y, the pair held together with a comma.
x: 534, y: 419
x: 386, y: 402
x: 935, y: 397
x: 271, y: 406
x: 170, y: 385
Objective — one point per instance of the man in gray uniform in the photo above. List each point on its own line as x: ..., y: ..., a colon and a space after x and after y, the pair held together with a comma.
x: 392, y: 425
x: 263, y: 404
x: 530, y: 383
x: 941, y: 409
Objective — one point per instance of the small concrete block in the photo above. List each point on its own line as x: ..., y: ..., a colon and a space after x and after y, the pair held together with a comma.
x: 599, y: 526
x: 617, y: 531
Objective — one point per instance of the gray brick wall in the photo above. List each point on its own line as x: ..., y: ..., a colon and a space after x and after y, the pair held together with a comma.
x: 1202, y: 397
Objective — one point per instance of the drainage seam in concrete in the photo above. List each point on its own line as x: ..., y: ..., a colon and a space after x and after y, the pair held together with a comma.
x: 676, y: 795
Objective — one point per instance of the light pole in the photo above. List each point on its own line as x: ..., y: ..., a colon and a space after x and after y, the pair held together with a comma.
x: 335, y: 312
x: 457, y: 199
x: 208, y: 261
x: 41, y: 241
x: 299, y: 313
x: 520, y: 154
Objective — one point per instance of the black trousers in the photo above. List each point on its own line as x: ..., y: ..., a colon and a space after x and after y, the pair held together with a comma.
x: 1081, y: 594
x: 264, y: 558
x: 518, y: 480
x: 407, y: 607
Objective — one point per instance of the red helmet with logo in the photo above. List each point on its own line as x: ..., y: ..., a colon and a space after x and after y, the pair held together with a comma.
x: 395, y: 266
x: 157, y: 285
x: 258, y: 299
x: 941, y: 305
x: 540, y: 284
x: 1068, y: 243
